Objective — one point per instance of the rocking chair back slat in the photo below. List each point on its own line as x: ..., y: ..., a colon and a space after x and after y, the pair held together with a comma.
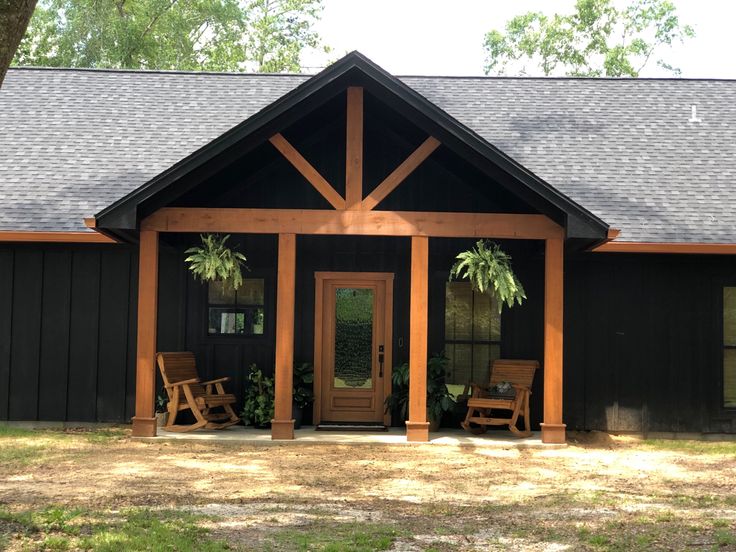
x: 518, y: 372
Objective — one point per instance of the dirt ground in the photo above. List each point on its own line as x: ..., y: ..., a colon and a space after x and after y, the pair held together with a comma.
x: 617, y: 494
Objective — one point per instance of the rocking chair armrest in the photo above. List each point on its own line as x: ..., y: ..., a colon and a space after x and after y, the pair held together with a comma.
x: 212, y: 382
x: 182, y: 382
x: 522, y: 388
x: 478, y: 390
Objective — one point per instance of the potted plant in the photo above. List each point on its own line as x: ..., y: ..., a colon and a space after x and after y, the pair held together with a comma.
x: 213, y: 261
x: 162, y: 410
x: 303, y: 391
x: 488, y: 268
x: 439, y: 398
x: 259, y: 397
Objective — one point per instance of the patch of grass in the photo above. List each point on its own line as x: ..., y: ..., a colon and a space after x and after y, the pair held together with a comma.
x: 12, y: 431
x: 725, y: 537
x: 355, y: 537
x: 105, y: 436
x: 136, y: 530
x: 692, y: 447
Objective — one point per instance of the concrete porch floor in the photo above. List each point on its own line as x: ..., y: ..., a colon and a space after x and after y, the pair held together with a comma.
x: 394, y: 436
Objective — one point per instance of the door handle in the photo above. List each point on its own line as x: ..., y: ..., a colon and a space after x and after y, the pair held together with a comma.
x: 380, y: 361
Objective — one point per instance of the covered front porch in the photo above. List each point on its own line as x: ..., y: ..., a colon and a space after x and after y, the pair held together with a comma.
x: 409, y: 172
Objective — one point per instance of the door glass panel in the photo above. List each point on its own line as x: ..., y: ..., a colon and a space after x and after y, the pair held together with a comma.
x: 353, y: 338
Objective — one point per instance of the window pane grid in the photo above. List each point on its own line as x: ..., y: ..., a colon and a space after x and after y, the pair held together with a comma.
x: 472, y: 333
x: 729, y: 347
x: 231, y: 312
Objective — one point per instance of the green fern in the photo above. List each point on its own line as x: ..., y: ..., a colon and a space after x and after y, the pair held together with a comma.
x: 488, y: 268
x: 214, y: 261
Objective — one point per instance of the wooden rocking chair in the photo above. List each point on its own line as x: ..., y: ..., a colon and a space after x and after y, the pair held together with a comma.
x: 187, y: 392
x: 520, y: 374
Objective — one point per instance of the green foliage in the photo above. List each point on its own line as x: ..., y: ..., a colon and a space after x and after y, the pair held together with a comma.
x: 303, y: 393
x: 259, y: 397
x: 598, y: 39
x: 214, y: 261
x: 439, y: 398
x: 162, y: 402
x: 488, y: 268
x: 211, y: 35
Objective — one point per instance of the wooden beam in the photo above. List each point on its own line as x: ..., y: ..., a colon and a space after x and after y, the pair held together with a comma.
x: 417, y: 426
x: 356, y: 223
x: 553, y: 430
x: 667, y: 248
x: 54, y: 237
x: 308, y: 171
x: 144, y: 421
x: 354, y: 149
x: 282, y: 425
x: 400, y: 174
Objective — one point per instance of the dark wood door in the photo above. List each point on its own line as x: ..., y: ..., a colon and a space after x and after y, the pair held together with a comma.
x: 353, y: 343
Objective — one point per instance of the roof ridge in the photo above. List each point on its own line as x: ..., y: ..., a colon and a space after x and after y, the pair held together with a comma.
x: 413, y: 76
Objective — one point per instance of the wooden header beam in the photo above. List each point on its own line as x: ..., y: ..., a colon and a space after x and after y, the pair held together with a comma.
x: 54, y: 237
x: 355, y: 223
x: 664, y: 248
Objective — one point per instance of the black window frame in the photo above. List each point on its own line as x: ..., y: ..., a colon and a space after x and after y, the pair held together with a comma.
x: 236, y: 307
x: 722, y: 347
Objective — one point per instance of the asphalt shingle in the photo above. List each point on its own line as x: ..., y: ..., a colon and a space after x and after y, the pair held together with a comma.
x: 74, y: 141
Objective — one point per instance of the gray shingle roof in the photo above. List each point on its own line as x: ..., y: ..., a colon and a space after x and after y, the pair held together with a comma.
x: 74, y: 141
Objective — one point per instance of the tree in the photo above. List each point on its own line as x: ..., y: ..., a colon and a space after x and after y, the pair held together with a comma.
x: 211, y: 35
x: 14, y: 18
x: 598, y: 39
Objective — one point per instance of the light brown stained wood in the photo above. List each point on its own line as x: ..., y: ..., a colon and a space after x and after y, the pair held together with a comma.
x: 356, y: 223
x: 328, y: 399
x: 54, y: 237
x: 354, y: 149
x: 282, y: 426
x: 187, y: 392
x: 391, y: 182
x: 145, y: 378
x: 553, y: 339
x: 418, y: 324
x: 667, y: 248
x: 308, y: 171
x: 483, y: 407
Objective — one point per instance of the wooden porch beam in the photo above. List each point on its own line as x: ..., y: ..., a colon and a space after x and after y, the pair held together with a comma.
x: 417, y: 426
x: 282, y: 425
x: 553, y: 430
x: 308, y: 171
x: 391, y: 182
x: 354, y: 149
x: 356, y: 223
x: 144, y: 421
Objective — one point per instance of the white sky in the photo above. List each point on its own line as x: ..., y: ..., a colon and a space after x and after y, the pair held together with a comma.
x: 445, y: 37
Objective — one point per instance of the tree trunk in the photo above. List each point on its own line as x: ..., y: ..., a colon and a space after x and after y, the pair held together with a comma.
x: 14, y: 18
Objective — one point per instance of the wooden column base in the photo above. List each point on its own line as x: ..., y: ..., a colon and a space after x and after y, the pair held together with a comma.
x: 282, y: 429
x: 417, y: 432
x: 144, y: 427
x: 553, y: 433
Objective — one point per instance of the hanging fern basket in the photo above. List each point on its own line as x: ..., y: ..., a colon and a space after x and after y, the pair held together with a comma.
x: 488, y: 268
x: 214, y: 261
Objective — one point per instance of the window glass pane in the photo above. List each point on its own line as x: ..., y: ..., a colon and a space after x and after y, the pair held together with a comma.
x: 460, y: 368
x: 251, y: 292
x: 729, y: 315
x: 224, y: 321
x: 458, y: 311
x: 353, y: 338
x: 729, y: 378
x: 220, y: 295
x: 254, y: 321
x: 481, y: 363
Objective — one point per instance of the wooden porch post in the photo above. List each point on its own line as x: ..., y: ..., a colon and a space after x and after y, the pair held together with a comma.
x: 144, y: 421
x: 417, y: 426
x: 553, y: 430
x: 282, y: 425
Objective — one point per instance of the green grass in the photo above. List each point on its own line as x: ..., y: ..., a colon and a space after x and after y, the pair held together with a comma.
x: 693, y: 447
x: 55, y: 528
x: 353, y: 537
